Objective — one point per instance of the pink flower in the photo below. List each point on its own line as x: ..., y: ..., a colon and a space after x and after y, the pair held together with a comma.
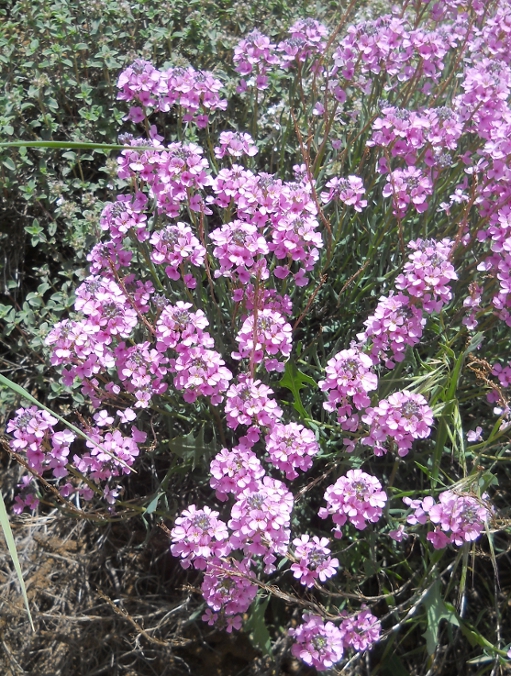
x: 408, y: 186
x: 200, y: 371
x: 175, y: 245
x: 348, y: 190
x: 475, y: 435
x: 260, y: 520
x: 314, y: 560
x: 397, y: 421
x: 291, y: 447
x: 234, y: 471
x: 399, y: 534
x: 228, y: 590
x: 250, y: 403
x: 357, y: 497
x: 428, y: 273
x: 237, y: 245
x: 395, y: 324
x: 235, y: 144
x: 270, y: 336
x: 349, y: 378
x: 360, y: 631
x: 198, y: 535
x: 318, y: 644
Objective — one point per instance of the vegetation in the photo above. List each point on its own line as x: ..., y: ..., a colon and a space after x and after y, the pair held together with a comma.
x: 256, y: 335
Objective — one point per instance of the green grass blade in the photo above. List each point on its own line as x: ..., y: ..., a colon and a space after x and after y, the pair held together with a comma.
x: 11, y: 546
x: 78, y: 145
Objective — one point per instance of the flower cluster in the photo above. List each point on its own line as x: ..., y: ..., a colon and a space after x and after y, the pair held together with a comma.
x: 349, y: 378
x: 348, y: 190
x: 176, y: 245
x: 307, y: 39
x: 228, y: 590
x: 199, y: 535
x: 255, y: 54
x: 428, y: 273
x: 360, y: 631
x: 457, y: 518
x: 357, y: 497
x: 408, y: 186
x: 397, y: 421
x: 291, y: 447
x: 263, y: 337
x: 200, y: 372
x: 321, y: 644
x: 141, y: 370
x: 317, y: 643
x: 250, y: 403
x: 237, y: 247
x: 313, y: 560
x: 398, y: 320
x: 234, y: 471
x: 260, y: 520
x: 196, y: 92
x: 235, y: 144
x: 178, y: 328
x: 395, y: 324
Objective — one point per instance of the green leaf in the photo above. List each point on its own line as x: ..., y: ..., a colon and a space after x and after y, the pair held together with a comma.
x: 256, y: 625
x: 11, y: 546
x: 9, y: 164
x: 153, y: 504
x: 85, y: 145
x: 436, y: 610
x: 193, y: 450
x: 295, y: 381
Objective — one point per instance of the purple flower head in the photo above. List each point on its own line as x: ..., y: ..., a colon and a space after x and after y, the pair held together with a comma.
x: 408, y: 186
x: 200, y: 372
x: 461, y: 517
x: 397, y: 421
x: 30, y: 427
x: 235, y: 144
x: 228, y: 590
x: 255, y: 55
x: 260, y: 520
x: 234, y: 471
x: 178, y: 328
x: 395, y: 325
x: 250, y: 403
x: 291, y: 447
x: 357, y: 497
x: 349, y: 378
x: 140, y: 82
x: 317, y: 643
x: 175, y: 245
x: 348, y: 190
x: 198, y: 536
x: 428, y: 273
x: 314, y: 560
x: 237, y: 245
x: 264, y: 339
x: 360, y: 631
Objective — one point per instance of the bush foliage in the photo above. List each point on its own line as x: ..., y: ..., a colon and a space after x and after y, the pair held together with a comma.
x: 283, y: 330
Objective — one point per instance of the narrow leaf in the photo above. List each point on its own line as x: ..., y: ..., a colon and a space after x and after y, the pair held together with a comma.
x: 11, y: 546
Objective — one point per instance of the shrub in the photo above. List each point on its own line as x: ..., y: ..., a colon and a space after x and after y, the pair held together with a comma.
x: 310, y: 323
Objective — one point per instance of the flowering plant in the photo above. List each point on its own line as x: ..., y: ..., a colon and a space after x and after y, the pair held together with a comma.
x: 213, y: 302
